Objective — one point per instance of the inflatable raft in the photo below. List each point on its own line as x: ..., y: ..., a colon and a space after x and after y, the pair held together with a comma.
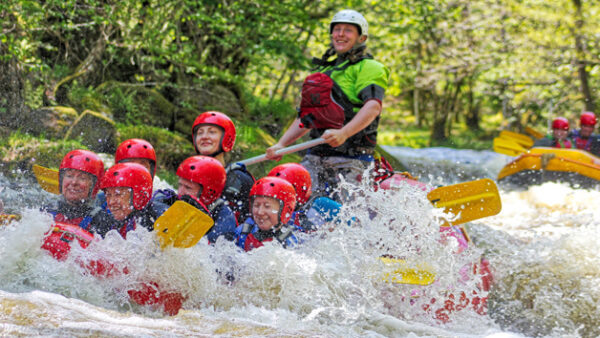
x: 576, y: 167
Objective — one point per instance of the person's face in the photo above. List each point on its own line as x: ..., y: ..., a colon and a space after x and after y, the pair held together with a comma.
x: 265, y: 212
x: 146, y: 163
x: 560, y: 134
x: 119, y: 202
x: 187, y: 187
x: 586, y: 131
x: 76, y: 185
x: 208, y: 138
x: 344, y: 36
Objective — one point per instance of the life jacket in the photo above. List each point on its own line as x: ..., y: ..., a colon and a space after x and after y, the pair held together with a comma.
x: 564, y: 144
x: 580, y: 142
x: 60, y: 236
x: 251, y: 237
x: 324, y: 105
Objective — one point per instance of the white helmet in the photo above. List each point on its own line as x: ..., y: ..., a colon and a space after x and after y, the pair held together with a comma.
x: 353, y: 17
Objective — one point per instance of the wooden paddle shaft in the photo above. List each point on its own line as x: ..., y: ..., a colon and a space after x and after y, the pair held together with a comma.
x: 285, y: 151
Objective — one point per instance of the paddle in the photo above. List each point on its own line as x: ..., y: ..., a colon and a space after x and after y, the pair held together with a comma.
x: 182, y: 226
x: 47, y: 178
x: 471, y: 200
x: 284, y: 151
x: 533, y: 132
x: 521, y: 139
x: 508, y: 147
x: 403, y: 274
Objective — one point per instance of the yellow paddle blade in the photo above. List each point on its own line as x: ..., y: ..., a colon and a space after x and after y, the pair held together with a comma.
x: 471, y: 200
x: 508, y: 147
x: 7, y: 219
x: 533, y: 132
x: 47, y: 178
x: 403, y: 274
x: 182, y: 226
x: 520, y: 139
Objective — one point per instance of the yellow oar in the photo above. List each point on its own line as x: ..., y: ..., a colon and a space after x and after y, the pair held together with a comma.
x: 508, y: 147
x: 471, y: 200
x: 182, y: 226
x: 534, y: 133
x: 47, y: 178
x: 403, y: 274
x: 521, y: 139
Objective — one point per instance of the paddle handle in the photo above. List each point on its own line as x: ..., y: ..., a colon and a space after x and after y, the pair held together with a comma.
x: 284, y: 151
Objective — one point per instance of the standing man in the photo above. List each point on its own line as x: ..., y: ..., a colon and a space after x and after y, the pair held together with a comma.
x: 342, y: 104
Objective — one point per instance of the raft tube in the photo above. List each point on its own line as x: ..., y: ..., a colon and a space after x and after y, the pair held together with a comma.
x: 542, y: 164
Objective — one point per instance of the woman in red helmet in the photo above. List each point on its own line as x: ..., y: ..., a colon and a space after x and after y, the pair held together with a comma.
x: 305, y: 217
x: 214, y: 135
x: 272, y: 201
x: 128, y: 190
x: 585, y: 138
x: 558, y: 139
x: 79, y: 178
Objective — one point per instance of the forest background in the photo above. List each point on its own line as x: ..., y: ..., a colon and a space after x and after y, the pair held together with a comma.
x: 91, y: 73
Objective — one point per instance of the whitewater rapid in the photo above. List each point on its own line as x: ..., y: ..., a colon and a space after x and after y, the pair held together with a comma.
x: 542, y: 248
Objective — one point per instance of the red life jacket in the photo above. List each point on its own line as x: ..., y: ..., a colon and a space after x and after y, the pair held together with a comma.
x: 564, y: 144
x: 61, y: 235
x: 583, y: 143
x: 253, y: 242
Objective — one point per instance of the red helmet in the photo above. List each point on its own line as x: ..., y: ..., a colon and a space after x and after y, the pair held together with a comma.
x: 278, y: 189
x: 560, y: 123
x: 86, y: 161
x: 587, y: 119
x: 219, y: 120
x: 206, y: 171
x: 130, y: 175
x: 136, y: 148
x: 298, y: 176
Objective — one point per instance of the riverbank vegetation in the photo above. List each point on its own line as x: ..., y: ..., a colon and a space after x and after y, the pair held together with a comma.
x: 460, y: 70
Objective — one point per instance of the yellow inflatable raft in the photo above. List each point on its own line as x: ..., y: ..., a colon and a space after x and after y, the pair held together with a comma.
x: 541, y: 164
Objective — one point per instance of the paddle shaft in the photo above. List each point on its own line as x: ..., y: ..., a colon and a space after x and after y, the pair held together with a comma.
x: 284, y: 151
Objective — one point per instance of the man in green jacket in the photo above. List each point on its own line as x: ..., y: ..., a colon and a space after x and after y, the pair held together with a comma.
x: 348, y: 122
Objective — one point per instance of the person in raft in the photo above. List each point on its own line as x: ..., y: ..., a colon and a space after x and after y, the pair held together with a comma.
x: 349, y: 121
x: 213, y: 135
x: 138, y: 151
x: 79, y: 177
x: 128, y: 191
x: 272, y: 201
x: 201, y: 182
x: 584, y: 137
x: 558, y: 139
x: 305, y: 218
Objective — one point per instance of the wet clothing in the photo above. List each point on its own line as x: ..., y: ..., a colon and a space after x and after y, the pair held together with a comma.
x: 249, y: 236
x: 81, y: 215
x: 360, y: 81
x: 306, y: 218
x: 237, y: 190
x: 144, y: 218
x: 325, y: 170
x: 225, y: 222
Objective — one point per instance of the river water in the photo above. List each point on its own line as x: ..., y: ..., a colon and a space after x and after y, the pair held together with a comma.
x: 543, y: 248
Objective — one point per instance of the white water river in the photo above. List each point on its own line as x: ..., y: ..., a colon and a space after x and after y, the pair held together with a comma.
x: 543, y: 249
